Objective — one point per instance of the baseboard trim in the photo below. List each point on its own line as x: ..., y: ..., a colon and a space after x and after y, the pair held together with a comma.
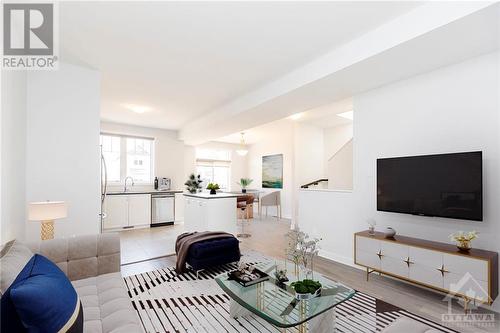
x: 337, y: 258
x: 148, y: 259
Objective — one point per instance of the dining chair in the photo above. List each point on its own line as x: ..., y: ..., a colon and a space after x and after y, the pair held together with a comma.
x: 272, y: 199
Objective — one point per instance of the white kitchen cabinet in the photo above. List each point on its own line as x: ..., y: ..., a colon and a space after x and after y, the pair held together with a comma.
x: 127, y: 211
x: 116, y: 208
x: 139, y: 209
x: 204, y: 212
x: 194, y: 214
x: 179, y: 207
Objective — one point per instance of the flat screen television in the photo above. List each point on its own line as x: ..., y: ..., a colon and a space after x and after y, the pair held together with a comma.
x: 445, y: 185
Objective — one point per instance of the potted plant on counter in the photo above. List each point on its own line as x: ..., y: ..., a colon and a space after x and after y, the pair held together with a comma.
x: 213, y: 187
x: 193, y: 184
x: 244, y: 183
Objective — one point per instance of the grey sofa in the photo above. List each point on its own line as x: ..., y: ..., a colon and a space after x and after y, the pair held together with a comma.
x: 92, y: 263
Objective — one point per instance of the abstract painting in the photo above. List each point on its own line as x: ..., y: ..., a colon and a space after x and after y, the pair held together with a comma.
x: 272, y: 171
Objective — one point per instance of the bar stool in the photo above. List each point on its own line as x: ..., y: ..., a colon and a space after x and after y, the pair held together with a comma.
x: 244, y: 203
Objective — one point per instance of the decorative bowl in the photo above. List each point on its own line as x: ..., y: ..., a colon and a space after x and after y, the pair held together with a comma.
x: 464, y: 246
x: 308, y: 296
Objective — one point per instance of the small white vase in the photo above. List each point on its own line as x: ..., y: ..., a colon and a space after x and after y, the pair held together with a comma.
x: 389, y: 232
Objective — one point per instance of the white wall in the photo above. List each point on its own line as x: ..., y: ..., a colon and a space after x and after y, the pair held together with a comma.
x: 336, y: 137
x: 339, y: 168
x: 277, y: 138
x: 452, y: 109
x: 13, y: 156
x: 169, y: 152
x: 62, y: 156
x: 309, y: 153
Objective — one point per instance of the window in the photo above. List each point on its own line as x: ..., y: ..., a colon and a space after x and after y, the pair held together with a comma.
x: 128, y: 156
x: 214, y: 166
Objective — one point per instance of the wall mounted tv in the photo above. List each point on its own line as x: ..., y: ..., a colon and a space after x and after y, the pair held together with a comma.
x: 445, y: 185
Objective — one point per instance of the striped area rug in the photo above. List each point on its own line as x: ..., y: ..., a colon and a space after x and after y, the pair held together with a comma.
x: 167, y: 302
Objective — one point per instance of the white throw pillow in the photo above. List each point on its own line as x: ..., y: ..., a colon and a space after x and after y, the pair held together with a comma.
x: 13, y: 257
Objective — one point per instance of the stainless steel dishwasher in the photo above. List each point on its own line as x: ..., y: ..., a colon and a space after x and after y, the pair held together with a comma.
x: 162, y: 209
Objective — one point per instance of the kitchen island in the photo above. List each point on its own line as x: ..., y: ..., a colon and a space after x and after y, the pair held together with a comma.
x: 210, y: 212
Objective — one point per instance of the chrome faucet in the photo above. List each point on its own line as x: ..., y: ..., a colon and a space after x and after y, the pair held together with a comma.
x: 127, y: 178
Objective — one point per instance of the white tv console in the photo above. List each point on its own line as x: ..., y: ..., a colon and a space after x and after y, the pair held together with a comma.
x: 471, y: 275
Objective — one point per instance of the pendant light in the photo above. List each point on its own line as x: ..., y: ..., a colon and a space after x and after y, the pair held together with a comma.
x: 243, y: 150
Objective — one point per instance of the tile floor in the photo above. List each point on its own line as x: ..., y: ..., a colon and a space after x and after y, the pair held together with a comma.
x: 143, y: 244
x: 147, y: 243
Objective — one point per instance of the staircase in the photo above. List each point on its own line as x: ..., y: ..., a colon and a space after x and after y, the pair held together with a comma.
x: 314, y: 183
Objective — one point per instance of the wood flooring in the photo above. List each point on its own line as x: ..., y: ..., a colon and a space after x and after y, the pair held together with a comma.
x: 268, y: 237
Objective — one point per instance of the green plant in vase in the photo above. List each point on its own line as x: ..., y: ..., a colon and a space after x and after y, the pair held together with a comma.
x: 193, y: 184
x: 306, y: 289
x: 244, y: 183
x: 213, y: 187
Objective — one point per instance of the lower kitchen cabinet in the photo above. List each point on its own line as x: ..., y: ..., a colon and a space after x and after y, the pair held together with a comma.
x: 126, y: 211
x: 139, y: 209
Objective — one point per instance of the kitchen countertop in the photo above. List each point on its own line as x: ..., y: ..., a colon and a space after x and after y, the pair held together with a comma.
x: 207, y: 195
x: 144, y: 192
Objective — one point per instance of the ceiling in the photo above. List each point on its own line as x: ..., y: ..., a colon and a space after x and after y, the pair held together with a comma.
x: 431, y: 36
x: 181, y: 60
x: 325, y: 116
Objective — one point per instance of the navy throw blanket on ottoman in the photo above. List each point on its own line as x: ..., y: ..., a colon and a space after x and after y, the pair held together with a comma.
x: 207, y: 253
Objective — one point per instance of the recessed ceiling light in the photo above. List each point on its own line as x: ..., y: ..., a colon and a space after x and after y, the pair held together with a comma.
x: 296, y: 116
x: 348, y: 115
x: 137, y: 108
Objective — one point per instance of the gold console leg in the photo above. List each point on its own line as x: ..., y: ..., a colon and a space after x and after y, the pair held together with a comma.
x: 466, y: 305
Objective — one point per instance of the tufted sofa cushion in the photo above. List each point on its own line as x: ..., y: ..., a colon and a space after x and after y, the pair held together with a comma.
x: 83, y: 256
x: 13, y: 257
x: 92, y: 263
x: 106, y: 305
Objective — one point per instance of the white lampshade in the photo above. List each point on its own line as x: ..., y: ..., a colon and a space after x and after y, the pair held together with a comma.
x: 47, y: 210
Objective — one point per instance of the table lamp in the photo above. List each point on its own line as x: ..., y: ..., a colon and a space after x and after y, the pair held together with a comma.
x: 47, y: 212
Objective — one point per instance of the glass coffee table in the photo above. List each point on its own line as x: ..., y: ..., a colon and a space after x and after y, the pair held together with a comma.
x: 278, y: 306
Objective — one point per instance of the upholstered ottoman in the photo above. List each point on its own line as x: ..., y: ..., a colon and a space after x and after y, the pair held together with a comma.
x: 214, y: 252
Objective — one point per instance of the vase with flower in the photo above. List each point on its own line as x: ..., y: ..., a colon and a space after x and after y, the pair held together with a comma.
x: 463, y: 239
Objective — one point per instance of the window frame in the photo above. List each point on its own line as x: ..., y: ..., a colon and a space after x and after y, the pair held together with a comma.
x: 123, y: 157
x: 212, y: 163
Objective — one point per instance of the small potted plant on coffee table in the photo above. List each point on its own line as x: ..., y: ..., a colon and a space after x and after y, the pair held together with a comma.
x: 306, y: 289
x: 213, y: 187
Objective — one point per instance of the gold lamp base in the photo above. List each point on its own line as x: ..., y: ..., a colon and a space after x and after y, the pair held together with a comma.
x: 47, y: 231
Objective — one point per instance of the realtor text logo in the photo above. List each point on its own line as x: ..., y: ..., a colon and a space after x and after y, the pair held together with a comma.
x: 29, y: 36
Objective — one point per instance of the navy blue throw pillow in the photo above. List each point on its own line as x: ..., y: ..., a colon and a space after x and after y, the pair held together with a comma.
x: 44, y: 300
